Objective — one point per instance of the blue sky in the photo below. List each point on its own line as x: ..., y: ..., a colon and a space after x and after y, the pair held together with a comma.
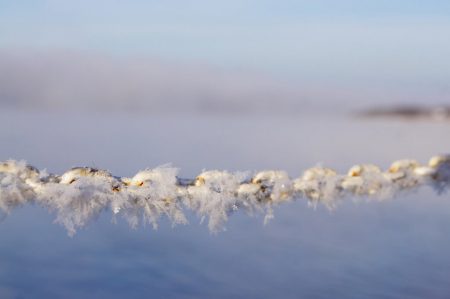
x: 393, y: 44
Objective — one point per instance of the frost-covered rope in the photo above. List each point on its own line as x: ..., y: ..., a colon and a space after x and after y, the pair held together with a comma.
x: 82, y: 193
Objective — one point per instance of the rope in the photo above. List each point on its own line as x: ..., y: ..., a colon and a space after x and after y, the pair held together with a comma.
x: 81, y: 193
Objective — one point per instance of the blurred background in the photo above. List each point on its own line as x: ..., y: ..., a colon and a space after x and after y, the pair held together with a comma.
x: 223, y: 57
x: 230, y: 85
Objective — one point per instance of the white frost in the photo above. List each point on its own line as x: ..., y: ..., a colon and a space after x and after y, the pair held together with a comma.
x: 81, y: 194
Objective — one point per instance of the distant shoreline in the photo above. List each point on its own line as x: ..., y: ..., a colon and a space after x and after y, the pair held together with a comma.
x: 439, y: 113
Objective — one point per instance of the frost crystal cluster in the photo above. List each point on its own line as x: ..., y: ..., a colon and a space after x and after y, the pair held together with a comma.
x: 82, y: 193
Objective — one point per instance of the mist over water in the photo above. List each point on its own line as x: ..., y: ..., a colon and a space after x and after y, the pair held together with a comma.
x: 91, y: 81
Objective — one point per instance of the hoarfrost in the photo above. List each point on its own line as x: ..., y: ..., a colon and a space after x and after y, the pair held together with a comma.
x: 81, y: 194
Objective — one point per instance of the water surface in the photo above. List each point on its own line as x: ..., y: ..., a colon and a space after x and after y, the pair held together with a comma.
x: 390, y: 249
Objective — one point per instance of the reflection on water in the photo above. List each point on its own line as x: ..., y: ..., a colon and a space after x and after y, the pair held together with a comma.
x: 392, y: 249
